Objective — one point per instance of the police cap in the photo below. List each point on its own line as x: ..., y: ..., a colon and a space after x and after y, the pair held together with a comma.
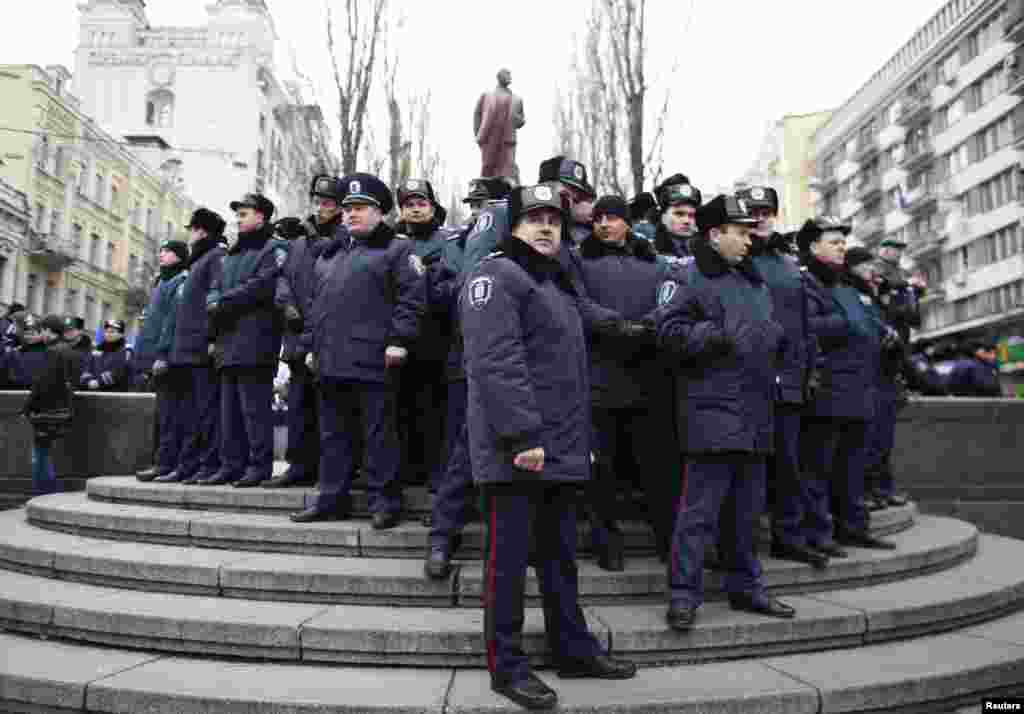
x: 54, y: 324
x: 679, y: 193
x: 326, y: 186
x: 367, y: 189
x: 487, y: 189
x: 611, y: 206
x: 814, y: 228
x: 892, y: 243
x: 257, y: 202
x: 760, y: 197
x: 722, y: 210
x: 415, y: 187
x: 524, y: 199
x: 72, y: 322
x: 567, y: 171
x: 207, y: 220
x: 114, y: 325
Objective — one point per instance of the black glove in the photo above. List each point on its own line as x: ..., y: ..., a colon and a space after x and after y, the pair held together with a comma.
x: 293, y: 318
x: 719, y: 344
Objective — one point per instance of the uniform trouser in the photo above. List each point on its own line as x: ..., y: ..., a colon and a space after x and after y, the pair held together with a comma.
x: 790, y: 503
x: 303, y: 452
x: 247, y: 421
x: 737, y: 482
x: 454, y: 497
x: 345, y: 406
x: 201, y: 451
x: 173, y: 392
x: 648, y: 433
x: 832, y: 455
x: 421, y: 408
x: 881, y: 439
x: 531, y: 523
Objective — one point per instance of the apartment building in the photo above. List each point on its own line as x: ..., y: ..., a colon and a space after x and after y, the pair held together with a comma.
x: 928, y: 151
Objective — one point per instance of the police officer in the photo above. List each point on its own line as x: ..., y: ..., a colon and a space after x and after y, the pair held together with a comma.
x: 366, y: 316
x: 572, y: 175
x: 109, y: 367
x: 721, y: 328
x: 678, y: 200
x: 781, y: 272
x: 28, y: 357
x: 643, y: 211
x: 529, y: 425
x: 75, y: 336
x: 422, y: 394
x: 294, y: 300
x: 834, y: 428
x: 154, y: 347
x: 621, y: 273
x: 192, y: 351
x: 976, y: 374
x: 452, y: 504
x: 8, y: 325
x: 248, y: 342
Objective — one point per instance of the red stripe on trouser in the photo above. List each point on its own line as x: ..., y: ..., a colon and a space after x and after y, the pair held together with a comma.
x: 489, y: 597
x: 680, y: 508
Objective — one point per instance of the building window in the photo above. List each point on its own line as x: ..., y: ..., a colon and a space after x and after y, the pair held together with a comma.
x: 40, y: 214
x: 76, y: 239
x: 160, y: 108
x: 168, y: 231
x: 263, y: 124
x: 111, y: 247
x: 137, y: 214
x: 133, y: 267
x: 107, y: 312
x: 115, y: 201
x: 31, y: 290
x: 57, y: 222
x: 90, y: 312
x: 100, y: 185
x: 949, y: 66
x: 3, y: 275
x: 49, y: 297
x: 70, y: 302
x: 59, y: 162
x: 94, y: 249
x: 149, y: 219
x: 43, y: 153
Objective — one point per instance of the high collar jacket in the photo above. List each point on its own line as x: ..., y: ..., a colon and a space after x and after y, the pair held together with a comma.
x: 192, y: 334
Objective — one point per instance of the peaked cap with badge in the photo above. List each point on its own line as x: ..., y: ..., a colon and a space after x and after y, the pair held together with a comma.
x: 760, y: 197
x: 525, y: 199
x: 415, y: 187
x: 207, y: 220
x: 814, y: 228
x: 722, y: 210
x: 257, y: 202
x: 367, y: 189
x: 567, y: 171
x: 679, y: 193
x: 487, y: 189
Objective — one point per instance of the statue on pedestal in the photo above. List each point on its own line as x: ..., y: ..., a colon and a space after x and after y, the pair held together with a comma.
x: 499, y: 113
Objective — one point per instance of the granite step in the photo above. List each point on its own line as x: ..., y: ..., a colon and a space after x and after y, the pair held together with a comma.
x: 938, y: 673
x: 129, y: 490
x: 932, y: 544
x: 977, y: 589
x: 269, y: 532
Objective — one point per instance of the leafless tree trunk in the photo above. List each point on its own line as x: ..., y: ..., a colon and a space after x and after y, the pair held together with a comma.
x: 353, y: 59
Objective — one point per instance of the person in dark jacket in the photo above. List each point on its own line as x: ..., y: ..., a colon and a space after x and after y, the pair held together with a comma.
x: 849, y: 362
x: 529, y: 435
x: 781, y: 272
x: 294, y: 301
x: 977, y: 373
x: 154, y: 346
x: 453, y: 503
x: 191, y: 353
x: 247, y: 331
x: 366, y: 317
x: 109, y: 367
x: 76, y: 337
x: 572, y: 175
x: 8, y: 325
x: 720, y: 328
x: 28, y: 358
x: 621, y: 273
x: 422, y: 395
x: 52, y: 388
x: 678, y: 200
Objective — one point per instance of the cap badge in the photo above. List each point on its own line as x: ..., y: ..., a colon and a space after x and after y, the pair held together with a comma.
x: 577, y: 171
x: 757, y: 194
x: 542, y: 193
x: 480, y: 291
x: 742, y: 204
x: 667, y: 291
x: 355, y: 187
x: 685, y: 191
x: 416, y: 263
x: 412, y: 185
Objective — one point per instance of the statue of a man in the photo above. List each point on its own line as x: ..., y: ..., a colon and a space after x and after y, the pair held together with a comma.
x: 498, y: 115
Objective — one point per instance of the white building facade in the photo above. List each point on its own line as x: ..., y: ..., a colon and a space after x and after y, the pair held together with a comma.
x: 210, y: 94
x: 927, y: 151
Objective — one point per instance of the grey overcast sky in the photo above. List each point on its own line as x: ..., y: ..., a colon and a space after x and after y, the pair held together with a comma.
x: 742, y: 64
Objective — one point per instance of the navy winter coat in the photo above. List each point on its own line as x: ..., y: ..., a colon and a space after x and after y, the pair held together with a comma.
x: 192, y: 333
x: 27, y: 362
x: 110, y: 365
x: 156, y: 338
x: 849, y: 350
x: 297, y: 282
x: 670, y: 245
x: 781, y: 272
x: 625, y: 372
x: 246, y: 323
x: 526, y: 367
x: 372, y: 296
x: 430, y: 245
x: 727, y: 399
x: 443, y: 285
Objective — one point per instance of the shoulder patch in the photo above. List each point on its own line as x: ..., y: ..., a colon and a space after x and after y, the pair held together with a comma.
x: 480, y: 291
x: 281, y: 256
x: 667, y: 291
x: 865, y: 300
x: 484, y: 223
x: 416, y: 263
x: 181, y: 289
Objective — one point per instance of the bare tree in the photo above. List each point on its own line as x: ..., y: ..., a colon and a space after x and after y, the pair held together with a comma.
x: 353, y: 60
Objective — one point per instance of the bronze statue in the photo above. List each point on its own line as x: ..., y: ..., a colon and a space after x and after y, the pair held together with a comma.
x: 498, y: 115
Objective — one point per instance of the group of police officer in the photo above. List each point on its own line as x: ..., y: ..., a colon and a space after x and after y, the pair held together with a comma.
x: 558, y: 351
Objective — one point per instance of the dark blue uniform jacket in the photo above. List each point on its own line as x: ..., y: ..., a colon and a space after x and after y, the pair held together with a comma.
x: 728, y: 400
x: 27, y: 362
x: 971, y: 377
x: 192, y: 334
x: 526, y: 366
x: 156, y: 338
x: 430, y: 244
x: 371, y: 296
x: 297, y: 283
x: 247, y: 326
x: 110, y: 365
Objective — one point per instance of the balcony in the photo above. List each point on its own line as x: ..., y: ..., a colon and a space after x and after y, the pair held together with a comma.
x: 1013, y: 22
x: 867, y: 148
x: 1015, y: 76
x: 52, y: 251
x: 934, y: 294
x: 868, y: 188
x: 917, y: 155
x: 914, y: 109
x: 925, y: 246
x: 920, y: 199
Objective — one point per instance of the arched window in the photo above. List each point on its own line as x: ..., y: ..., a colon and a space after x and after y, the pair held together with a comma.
x: 160, y: 108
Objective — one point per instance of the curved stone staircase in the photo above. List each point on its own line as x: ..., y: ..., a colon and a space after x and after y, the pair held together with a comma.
x: 162, y: 598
